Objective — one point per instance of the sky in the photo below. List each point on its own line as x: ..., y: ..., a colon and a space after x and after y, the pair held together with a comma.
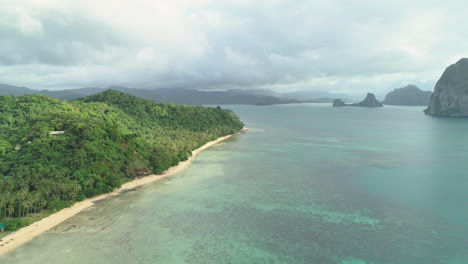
x: 342, y: 46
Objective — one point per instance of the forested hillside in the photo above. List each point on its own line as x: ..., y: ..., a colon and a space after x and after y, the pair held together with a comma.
x: 109, y: 138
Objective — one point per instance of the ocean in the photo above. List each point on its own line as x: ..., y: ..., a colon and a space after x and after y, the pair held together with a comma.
x: 307, y: 183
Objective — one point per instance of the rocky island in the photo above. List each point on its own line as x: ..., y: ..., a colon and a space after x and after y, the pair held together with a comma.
x: 409, y: 95
x: 369, y: 101
x: 338, y: 103
x: 450, y: 97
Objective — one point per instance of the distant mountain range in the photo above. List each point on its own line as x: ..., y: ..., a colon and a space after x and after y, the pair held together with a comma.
x: 189, y: 96
x: 6, y: 89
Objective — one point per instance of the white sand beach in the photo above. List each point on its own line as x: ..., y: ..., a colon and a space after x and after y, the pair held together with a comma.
x: 27, y: 233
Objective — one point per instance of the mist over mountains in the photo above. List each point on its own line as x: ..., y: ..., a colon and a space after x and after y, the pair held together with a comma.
x: 408, y: 95
x: 189, y: 96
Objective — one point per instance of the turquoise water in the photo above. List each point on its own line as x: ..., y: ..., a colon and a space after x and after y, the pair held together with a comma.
x: 306, y: 184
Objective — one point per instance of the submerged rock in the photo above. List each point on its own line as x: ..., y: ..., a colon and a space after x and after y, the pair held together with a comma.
x: 450, y: 97
x: 408, y: 95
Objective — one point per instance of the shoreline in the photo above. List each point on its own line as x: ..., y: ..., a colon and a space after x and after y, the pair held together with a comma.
x: 27, y: 233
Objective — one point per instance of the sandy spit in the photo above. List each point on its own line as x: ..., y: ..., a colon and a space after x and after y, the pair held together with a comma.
x: 27, y: 233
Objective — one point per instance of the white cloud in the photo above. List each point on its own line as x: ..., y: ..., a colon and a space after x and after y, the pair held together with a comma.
x: 145, y: 54
x: 29, y: 26
x: 238, y: 58
x: 347, y: 46
x: 311, y: 54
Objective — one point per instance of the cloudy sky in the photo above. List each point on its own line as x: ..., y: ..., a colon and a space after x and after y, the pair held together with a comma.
x: 347, y: 46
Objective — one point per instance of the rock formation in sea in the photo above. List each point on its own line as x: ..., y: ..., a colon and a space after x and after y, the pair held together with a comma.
x: 408, y: 95
x: 450, y: 97
x: 338, y: 103
x: 369, y: 101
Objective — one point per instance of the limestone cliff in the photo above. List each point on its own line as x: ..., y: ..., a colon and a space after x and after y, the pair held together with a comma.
x: 450, y: 97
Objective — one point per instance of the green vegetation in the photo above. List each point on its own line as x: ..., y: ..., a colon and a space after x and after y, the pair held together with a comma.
x: 109, y: 138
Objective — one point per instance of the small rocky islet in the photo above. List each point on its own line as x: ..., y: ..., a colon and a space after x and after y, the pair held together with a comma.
x: 369, y: 101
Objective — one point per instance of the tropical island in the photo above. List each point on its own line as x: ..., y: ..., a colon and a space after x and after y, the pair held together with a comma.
x: 55, y: 153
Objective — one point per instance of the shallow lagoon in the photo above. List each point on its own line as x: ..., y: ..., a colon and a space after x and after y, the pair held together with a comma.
x: 306, y: 184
